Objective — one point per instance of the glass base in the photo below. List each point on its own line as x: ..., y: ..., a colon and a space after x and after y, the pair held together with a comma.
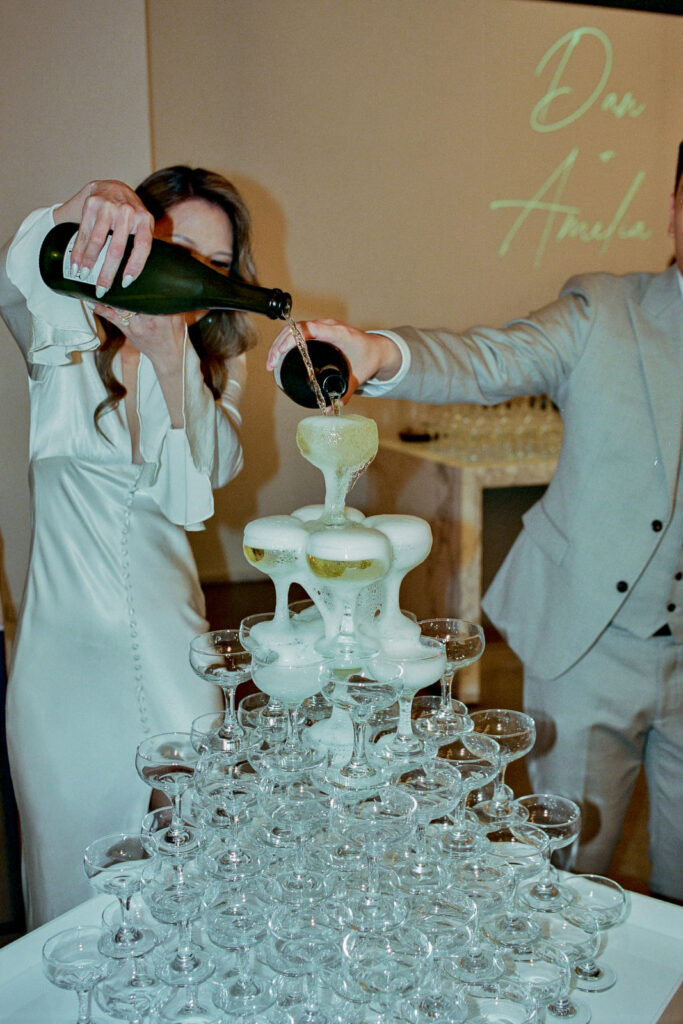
x: 493, y: 814
x: 143, y: 941
x: 188, y: 970
x: 184, y: 843
x: 594, y: 978
x: 290, y: 760
x: 515, y: 932
x: 571, y: 1011
x: 470, y: 967
x: 548, y: 899
x: 424, y: 878
x: 131, y: 992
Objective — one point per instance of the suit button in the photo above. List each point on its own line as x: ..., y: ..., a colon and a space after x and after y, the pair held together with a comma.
x: 622, y: 586
x: 656, y: 525
x: 671, y: 607
x: 678, y: 576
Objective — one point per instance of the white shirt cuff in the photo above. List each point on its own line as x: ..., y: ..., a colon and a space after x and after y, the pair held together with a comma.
x: 377, y: 388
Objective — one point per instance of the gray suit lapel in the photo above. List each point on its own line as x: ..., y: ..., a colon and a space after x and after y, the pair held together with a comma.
x: 658, y: 326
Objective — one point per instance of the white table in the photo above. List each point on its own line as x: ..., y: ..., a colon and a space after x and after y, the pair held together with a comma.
x: 647, y: 952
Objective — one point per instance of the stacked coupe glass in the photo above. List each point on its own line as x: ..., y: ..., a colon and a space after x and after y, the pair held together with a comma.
x: 341, y: 848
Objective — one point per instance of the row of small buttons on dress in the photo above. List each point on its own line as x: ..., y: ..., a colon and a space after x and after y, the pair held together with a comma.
x: 132, y: 619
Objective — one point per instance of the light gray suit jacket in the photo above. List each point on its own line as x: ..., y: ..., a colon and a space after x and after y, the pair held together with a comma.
x: 609, y: 352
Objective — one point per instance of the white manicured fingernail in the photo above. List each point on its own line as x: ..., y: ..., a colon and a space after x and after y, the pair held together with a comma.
x: 128, y: 278
x: 100, y: 291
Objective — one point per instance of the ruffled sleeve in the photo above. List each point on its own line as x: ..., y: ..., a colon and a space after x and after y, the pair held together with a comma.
x: 59, y: 325
x: 183, y: 465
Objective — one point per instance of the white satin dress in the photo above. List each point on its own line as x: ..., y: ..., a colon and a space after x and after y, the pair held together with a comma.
x: 112, y: 598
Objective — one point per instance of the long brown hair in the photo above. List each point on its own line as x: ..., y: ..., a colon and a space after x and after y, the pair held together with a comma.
x: 219, y: 335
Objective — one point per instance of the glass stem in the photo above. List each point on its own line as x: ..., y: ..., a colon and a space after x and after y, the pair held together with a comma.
x: 358, y: 759
x: 446, y: 685
x: 229, y: 718
x: 404, y: 729
x: 84, y: 1005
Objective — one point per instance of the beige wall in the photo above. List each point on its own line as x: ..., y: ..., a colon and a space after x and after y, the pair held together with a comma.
x: 74, y: 107
x: 370, y: 137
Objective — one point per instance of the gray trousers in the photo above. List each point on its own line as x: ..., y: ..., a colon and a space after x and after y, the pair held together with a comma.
x: 619, y: 707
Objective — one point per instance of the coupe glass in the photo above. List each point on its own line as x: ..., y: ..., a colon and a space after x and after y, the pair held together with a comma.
x: 207, y: 736
x: 175, y: 890
x: 436, y: 786
x: 515, y: 734
x: 464, y: 643
x: 302, y: 946
x: 219, y: 657
x: 275, y: 545
x: 72, y: 959
x: 114, y: 865
x: 131, y: 991
x: 166, y: 762
x: 361, y: 695
x: 610, y: 905
x: 560, y: 819
x: 411, y: 541
x: 501, y: 1001
x: 523, y: 847
x: 489, y: 882
x: 573, y: 931
x: 225, y: 795
x: 436, y: 728
x: 341, y: 447
x: 290, y: 675
x: 477, y: 758
x: 544, y: 970
x: 342, y: 561
x: 388, y: 965
x: 285, y: 799
x: 236, y: 921
x: 379, y: 822
x: 261, y: 712
x: 421, y: 663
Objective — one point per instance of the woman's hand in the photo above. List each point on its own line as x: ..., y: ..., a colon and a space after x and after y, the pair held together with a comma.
x: 160, y: 338
x: 102, y: 207
x: 369, y: 355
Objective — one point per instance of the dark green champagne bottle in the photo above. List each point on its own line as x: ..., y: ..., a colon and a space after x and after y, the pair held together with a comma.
x: 330, y: 367
x: 172, y: 281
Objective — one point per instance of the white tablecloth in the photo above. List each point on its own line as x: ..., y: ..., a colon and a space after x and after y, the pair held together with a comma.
x: 647, y: 952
